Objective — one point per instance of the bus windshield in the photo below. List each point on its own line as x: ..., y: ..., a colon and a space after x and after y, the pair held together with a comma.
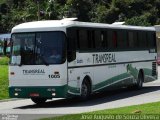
x: 38, y: 48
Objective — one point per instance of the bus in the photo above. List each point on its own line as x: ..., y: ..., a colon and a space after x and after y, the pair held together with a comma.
x: 91, y: 57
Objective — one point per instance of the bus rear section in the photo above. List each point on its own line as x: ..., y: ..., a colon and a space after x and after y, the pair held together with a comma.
x: 38, y: 67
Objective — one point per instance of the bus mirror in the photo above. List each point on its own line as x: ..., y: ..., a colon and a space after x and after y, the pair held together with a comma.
x: 71, y: 56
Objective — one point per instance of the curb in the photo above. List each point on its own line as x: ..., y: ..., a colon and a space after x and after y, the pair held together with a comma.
x: 12, y: 99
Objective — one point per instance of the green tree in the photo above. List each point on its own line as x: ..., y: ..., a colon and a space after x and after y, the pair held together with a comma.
x: 104, y: 13
x: 53, y: 10
x: 79, y: 9
x: 138, y: 21
x: 133, y: 12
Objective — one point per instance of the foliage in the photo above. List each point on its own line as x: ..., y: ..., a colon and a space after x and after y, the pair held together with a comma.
x: 4, y: 60
x: 133, y: 12
x: 138, y: 21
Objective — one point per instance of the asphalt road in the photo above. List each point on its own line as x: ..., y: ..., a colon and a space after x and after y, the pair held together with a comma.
x: 110, y: 99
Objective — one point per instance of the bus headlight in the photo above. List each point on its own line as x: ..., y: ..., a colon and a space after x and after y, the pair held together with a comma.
x: 53, y: 94
x: 16, y: 94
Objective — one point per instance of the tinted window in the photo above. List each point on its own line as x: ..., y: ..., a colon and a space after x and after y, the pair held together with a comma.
x: 83, y: 39
x: 51, y: 46
x: 98, y: 39
x: 114, y: 39
x: 130, y: 39
x: 109, y: 39
x: 142, y: 39
x: 38, y: 48
x: 151, y: 39
x: 72, y: 39
x: 121, y: 42
x: 91, y: 42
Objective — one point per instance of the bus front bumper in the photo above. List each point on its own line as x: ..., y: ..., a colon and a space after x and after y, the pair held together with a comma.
x: 42, y: 92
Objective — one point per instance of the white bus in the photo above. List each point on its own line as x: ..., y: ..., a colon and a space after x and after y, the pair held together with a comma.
x: 63, y: 59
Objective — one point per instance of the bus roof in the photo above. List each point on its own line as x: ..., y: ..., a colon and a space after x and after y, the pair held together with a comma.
x: 59, y: 25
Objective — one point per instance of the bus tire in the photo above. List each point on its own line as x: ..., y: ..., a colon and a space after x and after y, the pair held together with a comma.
x: 140, y: 80
x: 39, y: 100
x: 85, y: 90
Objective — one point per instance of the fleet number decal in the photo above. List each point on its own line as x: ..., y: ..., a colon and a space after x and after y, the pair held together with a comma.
x: 54, y: 76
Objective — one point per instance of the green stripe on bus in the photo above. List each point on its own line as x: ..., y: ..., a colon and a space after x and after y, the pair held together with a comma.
x: 147, y: 71
x: 112, y: 80
x: 45, y: 91
x: 73, y: 90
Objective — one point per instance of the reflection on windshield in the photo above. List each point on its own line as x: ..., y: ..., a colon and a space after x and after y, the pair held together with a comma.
x: 38, y: 48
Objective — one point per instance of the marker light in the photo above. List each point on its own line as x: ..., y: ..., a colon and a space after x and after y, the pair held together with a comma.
x: 56, y: 72
x: 16, y: 94
x: 12, y: 73
x: 53, y: 94
x: 17, y: 89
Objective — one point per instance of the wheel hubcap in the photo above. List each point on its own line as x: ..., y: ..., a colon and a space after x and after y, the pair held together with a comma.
x: 84, y: 90
x: 140, y: 82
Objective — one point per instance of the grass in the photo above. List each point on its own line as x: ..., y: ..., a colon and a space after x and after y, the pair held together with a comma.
x: 144, y: 109
x: 4, y: 60
x: 3, y: 82
x: 4, y: 78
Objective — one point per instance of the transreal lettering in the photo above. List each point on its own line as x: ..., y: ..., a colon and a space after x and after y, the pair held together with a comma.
x: 35, y: 71
x: 104, y: 58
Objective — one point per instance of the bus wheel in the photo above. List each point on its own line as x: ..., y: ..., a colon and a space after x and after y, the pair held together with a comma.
x: 39, y: 100
x: 85, y: 90
x: 140, y: 80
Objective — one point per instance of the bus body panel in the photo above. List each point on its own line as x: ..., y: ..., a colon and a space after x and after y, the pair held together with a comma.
x: 28, y: 79
x: 110, y: 69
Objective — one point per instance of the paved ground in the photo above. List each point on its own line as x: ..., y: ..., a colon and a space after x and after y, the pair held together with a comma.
x: 110, y: 99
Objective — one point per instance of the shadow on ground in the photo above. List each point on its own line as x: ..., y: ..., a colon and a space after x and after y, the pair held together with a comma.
x: 98, y: 98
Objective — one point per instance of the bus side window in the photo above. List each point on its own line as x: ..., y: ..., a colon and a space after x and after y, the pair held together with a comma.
x: 154, y: 39
x: 114, y: 38
x: 130, y: 39
x: 97, y: 37
x: 72, y: 37
x: 83, y: 39
x: 90, y: 39
x: 136, y: 40
x: 109, y: 39
x: 121, y: 42
x: 71, y: 44
x: 103, y: 39
x: 151, y: 39
x: 142, y: 39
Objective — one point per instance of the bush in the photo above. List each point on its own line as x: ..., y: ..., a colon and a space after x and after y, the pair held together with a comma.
x: 4, y: 60
x: 138, y: 21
